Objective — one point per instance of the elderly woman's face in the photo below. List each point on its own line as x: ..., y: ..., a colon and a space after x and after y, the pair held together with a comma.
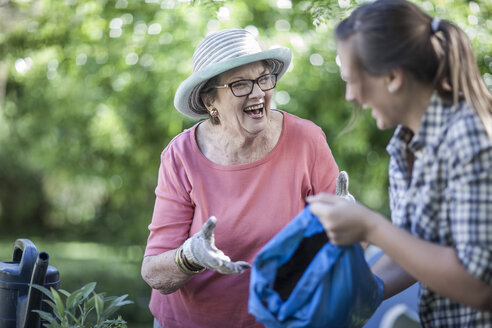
x: 248, y: 114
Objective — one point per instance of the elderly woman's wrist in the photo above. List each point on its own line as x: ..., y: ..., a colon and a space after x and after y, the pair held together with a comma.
x: 184, y: 264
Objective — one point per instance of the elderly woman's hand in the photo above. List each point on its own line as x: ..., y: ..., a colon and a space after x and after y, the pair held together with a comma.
x: 342, y: 186
x: 201, y: 250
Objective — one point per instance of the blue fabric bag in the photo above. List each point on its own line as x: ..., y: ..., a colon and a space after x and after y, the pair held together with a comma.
x: 300, y: 279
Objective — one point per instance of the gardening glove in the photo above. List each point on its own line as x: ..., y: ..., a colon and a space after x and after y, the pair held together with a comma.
x: 201, y: 249
x: 342, y: 191
x: 342, y: 186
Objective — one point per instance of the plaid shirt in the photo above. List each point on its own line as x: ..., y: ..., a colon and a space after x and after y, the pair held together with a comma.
x: 446, y: 199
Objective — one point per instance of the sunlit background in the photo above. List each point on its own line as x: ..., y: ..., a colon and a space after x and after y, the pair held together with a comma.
x: 86, y: 107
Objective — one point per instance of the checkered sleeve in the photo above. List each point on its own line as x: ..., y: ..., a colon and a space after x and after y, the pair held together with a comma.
x: 470, y: 198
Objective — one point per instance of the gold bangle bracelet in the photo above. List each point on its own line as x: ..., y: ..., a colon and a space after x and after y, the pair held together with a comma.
x: 177, y: 260
x: 195, y: 268
x: 180, y: 263
x: 190, y: 264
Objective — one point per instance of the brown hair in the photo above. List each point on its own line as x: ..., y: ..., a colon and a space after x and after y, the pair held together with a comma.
x: 398, y: 34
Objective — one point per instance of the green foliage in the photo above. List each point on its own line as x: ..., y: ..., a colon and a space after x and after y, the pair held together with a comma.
x: 87, y: 90
x: 82, y: 308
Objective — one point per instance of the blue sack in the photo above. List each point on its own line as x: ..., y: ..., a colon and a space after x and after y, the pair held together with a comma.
x: 300, y: 279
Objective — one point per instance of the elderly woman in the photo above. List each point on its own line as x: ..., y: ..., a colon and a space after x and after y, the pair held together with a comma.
x: 228, y: 184
x: 419, y: 75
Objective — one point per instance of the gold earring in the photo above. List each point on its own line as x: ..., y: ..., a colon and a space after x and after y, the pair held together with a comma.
x: 214, y: 113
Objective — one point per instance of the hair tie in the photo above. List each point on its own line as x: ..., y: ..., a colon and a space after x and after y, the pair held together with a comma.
x: 435, y: 24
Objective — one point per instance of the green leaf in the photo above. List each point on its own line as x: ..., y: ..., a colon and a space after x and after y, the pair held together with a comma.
x: 64, y: 292
x: 60, y: 307
x: 46, y: 316
x: 51, y: 304
x: 116, y: 303
x: 72, y: 301
x: 99, y: 305
x: 45, y: 291
x: 73, y: 317
x: 77, y: 296
x: 88, y: 289
x: 91, y: 302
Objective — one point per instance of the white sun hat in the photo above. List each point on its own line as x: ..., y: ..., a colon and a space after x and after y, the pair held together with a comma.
x: 220, y: 52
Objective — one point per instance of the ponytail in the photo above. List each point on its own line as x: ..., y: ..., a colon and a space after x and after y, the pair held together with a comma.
x: 458, y: 72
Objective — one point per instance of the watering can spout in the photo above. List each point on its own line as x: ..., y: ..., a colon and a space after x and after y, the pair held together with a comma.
x: 19, y: 298
x: 34, y: 297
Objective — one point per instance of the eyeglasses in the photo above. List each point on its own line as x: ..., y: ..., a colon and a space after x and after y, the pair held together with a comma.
x: 243, y: 88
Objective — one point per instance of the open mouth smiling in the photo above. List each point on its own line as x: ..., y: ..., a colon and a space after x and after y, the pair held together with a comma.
x: 255, y: 111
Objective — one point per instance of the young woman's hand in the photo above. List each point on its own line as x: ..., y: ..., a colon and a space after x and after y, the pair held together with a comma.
x: 345, y: 222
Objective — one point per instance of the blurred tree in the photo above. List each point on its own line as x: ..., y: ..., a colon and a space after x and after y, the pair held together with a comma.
x: 86, y: 96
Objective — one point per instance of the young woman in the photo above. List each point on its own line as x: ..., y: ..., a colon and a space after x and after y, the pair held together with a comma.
x: 418, y: 74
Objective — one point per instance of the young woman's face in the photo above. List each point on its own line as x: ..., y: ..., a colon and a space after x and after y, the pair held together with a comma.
x: 247, y: 114
x: 365, y: 89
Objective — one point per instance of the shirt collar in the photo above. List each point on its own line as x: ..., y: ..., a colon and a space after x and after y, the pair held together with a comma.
x: 431, y: 129
x: 399, y: 141
x: 434, y: 122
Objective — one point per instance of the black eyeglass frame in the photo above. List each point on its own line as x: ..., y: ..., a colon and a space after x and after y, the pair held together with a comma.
x: 229, y: 85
